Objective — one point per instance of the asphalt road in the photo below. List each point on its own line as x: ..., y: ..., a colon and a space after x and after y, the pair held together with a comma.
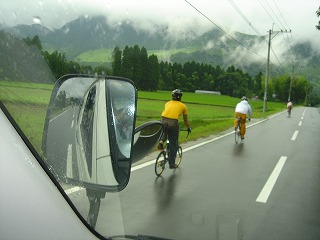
x: 264, y: 188
x: 61, y: 143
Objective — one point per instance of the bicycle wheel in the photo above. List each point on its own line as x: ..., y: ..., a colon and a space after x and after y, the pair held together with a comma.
x: 160, y: 163
x: 179, y: 156
x: 237, y: 134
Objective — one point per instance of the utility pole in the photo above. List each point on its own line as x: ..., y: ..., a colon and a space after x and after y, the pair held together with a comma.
x: 267, y: 75
x: 307, y: 93
x: 289, y: 98
x: 267, y: 69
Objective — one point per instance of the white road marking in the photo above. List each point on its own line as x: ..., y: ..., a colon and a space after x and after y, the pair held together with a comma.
x: 69, y: 162
x: 266, y: 190
x: 143, y: 165
x: 72, y: 190
x: 304, y: 112
x: 300, y: 123
x: 201, y: 144
x: 72, y: 123
x: 58, y: 115
x: 183, y: 150
x: 294, y: 136
x: 151, y: 162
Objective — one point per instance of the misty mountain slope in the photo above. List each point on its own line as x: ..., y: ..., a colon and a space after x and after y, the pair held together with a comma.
x: 17, y: 61
x: 87, y: 34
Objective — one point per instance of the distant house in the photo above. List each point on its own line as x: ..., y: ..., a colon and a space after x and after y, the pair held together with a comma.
x: 207, y: 92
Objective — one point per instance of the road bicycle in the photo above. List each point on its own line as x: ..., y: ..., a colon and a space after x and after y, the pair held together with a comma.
x: 162, y: 161
x: 289, y: 111
x: 237, y: 136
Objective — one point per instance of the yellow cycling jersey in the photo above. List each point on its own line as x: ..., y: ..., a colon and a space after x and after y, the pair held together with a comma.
x: 173, y: 109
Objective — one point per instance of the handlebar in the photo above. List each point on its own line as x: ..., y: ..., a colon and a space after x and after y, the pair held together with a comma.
x: 186, y: 130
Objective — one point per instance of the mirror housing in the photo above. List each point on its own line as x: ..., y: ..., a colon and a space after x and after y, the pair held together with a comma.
x: 89, y: 136
x: 145, y: 137
x: 89, y: 131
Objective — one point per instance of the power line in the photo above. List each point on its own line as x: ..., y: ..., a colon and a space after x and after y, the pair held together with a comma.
x: 281, y: 15
x: 223, y: 30
x: 244, y: 17
x: 275, y: 16
x: 250, y: 24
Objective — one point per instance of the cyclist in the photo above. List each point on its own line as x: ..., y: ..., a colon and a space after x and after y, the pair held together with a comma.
x: 170, y: 116
x: 289, y: 106
x: 242, y: 110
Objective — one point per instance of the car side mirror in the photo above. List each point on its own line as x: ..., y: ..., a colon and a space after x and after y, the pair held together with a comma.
x: 89, y: 131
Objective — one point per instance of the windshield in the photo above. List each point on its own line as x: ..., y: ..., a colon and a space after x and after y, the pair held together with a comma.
x: 258, y: 181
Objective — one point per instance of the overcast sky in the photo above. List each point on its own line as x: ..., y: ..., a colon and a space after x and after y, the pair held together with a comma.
x: 247, y: 16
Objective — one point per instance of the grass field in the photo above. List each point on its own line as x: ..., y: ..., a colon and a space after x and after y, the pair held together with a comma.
x: 99, y: 56
x: 208, y: 114
x: 105, y: 55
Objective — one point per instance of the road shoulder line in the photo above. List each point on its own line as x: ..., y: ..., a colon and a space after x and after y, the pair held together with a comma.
x: 266, y: 190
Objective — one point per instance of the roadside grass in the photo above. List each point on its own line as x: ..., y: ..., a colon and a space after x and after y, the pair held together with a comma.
x: 30, y: 118
x: 208, y: 114
x: 27, y: 103
x: 25, y: 95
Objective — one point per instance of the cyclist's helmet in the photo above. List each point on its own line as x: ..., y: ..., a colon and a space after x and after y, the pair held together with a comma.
x: 176, y: 94
x: 244, y: 98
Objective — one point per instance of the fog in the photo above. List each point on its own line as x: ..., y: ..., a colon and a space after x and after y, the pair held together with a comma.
x: 185, y: 19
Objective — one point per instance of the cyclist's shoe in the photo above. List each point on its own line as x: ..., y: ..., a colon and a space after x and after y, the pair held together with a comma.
x: 173, y: 166
x: 160, y: 146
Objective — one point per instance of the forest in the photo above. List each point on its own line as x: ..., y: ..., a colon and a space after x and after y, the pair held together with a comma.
x: 149, y: 74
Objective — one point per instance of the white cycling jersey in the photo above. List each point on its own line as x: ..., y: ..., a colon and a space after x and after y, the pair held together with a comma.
x: 244, y: 108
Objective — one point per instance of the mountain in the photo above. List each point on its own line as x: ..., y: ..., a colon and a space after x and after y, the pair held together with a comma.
x: 91, y: 33
x: 86, y: 34
x: 17, y: 61
x: 213, y: 47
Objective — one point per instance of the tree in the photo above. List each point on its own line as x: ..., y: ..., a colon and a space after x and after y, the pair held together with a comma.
x: 116, y: 63
x: 57, y: 63
x: 144, y: 69
x: 127, y: 63
x: 136, y: 65
x: 34, y: 41
x: 153, y: 73
x: 318, y: 15
x: 165, y: 80
x: 257, y: 86
x: 281, y: 86
x: 104, y: 70
x: 232, y: 84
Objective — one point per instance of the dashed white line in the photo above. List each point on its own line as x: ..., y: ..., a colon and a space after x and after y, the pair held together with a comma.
x: 266, y: 190
x: 300, y: 123
x: 74, y: 189
x: 151, y: 162
x: 69, y: 162
x: 294, y: 136
x: 200, y: 144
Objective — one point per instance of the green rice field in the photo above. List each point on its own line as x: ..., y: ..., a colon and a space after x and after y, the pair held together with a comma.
x: 208, y: 114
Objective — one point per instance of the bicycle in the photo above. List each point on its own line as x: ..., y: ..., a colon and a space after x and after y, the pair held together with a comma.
x: 289, y: 111
x: 163, y: 157
x: 237, y: 129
